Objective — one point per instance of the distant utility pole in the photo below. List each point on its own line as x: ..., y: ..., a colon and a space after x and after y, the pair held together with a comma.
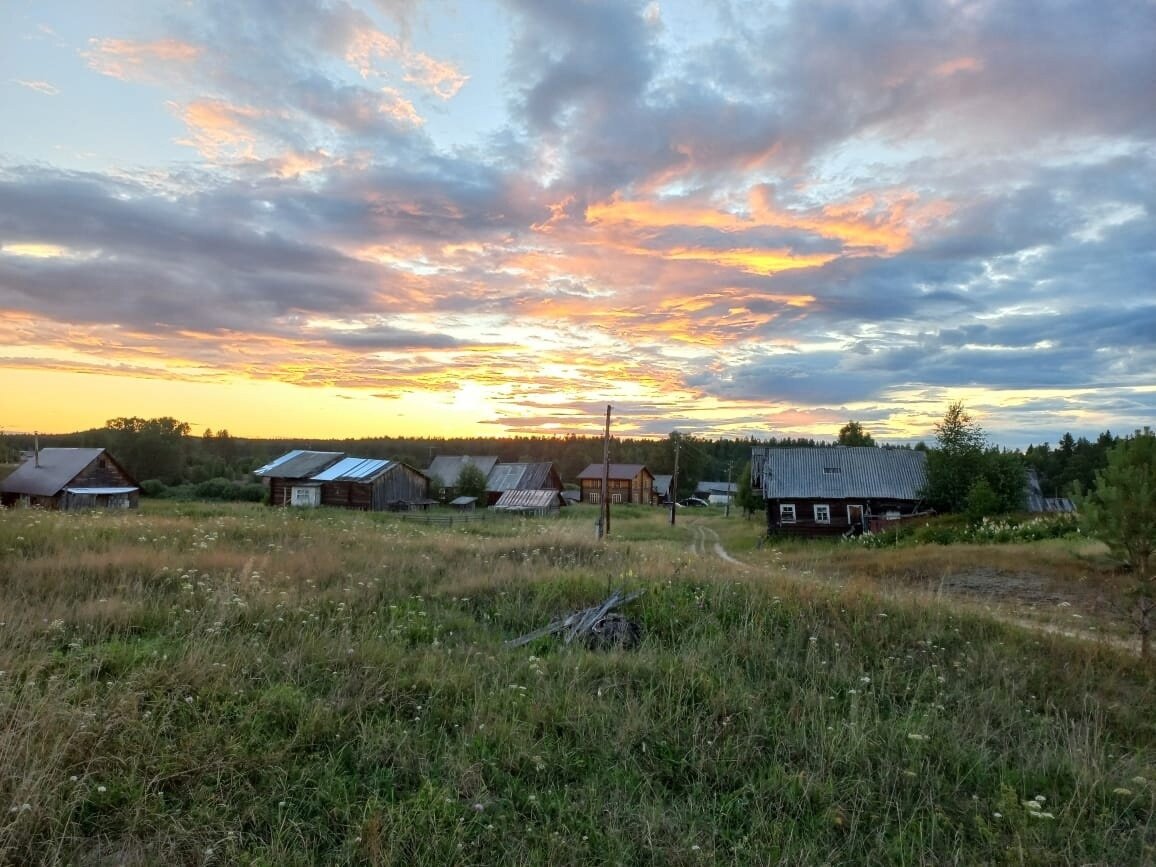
x: 606, y: 476
x: 674, y: 486
x: 727, y: 510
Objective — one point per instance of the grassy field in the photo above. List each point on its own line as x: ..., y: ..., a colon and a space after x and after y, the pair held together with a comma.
x: 195, y: 684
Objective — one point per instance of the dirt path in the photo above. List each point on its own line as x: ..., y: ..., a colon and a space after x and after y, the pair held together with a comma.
x: 703, y: 536
x: 980, y: 584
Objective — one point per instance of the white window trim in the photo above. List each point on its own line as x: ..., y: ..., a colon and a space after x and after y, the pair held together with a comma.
x: 595, y: 497
x: 786, y: 509
x: 825, y: 517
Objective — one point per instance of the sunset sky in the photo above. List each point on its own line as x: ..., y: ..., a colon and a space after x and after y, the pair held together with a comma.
x: 729, y: 218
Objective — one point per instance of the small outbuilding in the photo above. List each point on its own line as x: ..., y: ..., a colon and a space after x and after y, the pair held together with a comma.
x: 544, y: 502
x: 538, y: 476
x: 69, y: 479
x: 308, y: 478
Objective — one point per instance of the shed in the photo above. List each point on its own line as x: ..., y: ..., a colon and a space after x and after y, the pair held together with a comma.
x: 372, y: 484
x: 717, y: 493
x: 542, y: 502
x: 289, y: 477
x: 464, y: 504
x: 840, y: 489
x: 538, y: 476
x: 1036, y: 502
x: 77, y: 478
x: 627, y: 483
x: 660, y: 493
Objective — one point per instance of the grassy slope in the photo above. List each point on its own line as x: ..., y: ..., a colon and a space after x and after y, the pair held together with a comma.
x: 238, y: 685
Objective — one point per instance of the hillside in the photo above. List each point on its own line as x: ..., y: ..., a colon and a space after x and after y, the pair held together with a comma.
x: 232, y: 684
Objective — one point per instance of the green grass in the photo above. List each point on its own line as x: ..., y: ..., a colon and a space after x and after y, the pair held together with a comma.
x: 237, y: 685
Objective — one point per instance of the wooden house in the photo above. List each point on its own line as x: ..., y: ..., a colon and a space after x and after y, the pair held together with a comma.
x: 309, y: 479
x: 70, y: 479
x: 289, y: 478
x: 837, y: 490
x: 626, y: 483
x: 373, y: 485
x: 521, y: 477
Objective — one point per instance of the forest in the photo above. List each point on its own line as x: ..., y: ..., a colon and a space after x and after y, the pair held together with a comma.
x: 166, y: 453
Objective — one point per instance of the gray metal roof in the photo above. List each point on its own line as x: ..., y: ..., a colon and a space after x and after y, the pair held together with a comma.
x: 353, y: 470
x: 57, y: 468
x: 519, y: 501
x: 662, y: 485
x: 521, y: 477
x: 100, y: 491
x: 842, y: 472
x: 449, y: 467
x: 1035, y: 500
x: 299, y: 464
x: 617, y: 471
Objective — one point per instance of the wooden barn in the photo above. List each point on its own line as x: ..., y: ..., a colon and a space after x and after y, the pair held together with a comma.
x: 627, y: 483
x: 290, y: 477
x: 837, y: 490
x: 445, y: 470
x: 373, y: 485
x: 70, y: 479
x: 521, y: 477
x: 529, y: 502
x: 307, y: 479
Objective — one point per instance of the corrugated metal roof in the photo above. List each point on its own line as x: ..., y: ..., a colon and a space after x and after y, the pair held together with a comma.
x: 718, y: 487
x: 535, y: 476
x: 1036, y: 501
x: 617, y: 471
x: 57, y: 468
x: 299, y: 464
x: 353, y: 470
x: 449, y: 467
x: 505, y: 477
x: 662, y: 485
x: 525, y: 501
x: 101, y: 491
x: 842, y: 472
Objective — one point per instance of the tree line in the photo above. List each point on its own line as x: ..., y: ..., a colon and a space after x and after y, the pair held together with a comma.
x: 167, y: 451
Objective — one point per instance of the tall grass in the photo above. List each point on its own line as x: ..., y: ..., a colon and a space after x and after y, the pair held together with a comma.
x: 232, y: 684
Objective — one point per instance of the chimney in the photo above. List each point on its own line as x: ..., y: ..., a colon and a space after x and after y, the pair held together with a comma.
x: 36, y: 448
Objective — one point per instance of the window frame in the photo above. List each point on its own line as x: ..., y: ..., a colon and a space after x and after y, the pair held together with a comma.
x: 786, y: 509
x: 825, y: 509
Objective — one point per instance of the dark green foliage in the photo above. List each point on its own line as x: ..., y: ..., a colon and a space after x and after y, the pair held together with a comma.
x: 853, y: 434
x: 471, y: 482
x: 1121, y: 510
x: 962, y: 460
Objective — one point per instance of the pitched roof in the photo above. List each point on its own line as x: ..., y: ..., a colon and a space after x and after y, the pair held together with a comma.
x: 449, y: 467
x: 662, y: 485
x: 519, y: 501
x: 522, y: 477
x: 1035, y: 499
x: 57, y: 467
x: 843, y: 471
x: 299, y: 464
x: 353, y: 470
x: 617, y: 471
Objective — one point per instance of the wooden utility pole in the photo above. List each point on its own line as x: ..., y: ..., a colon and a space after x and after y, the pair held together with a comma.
x: 727, y: 511
x: 674, y: 486
x: 606, y: 476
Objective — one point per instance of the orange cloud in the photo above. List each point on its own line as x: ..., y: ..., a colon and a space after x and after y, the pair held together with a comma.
x: 218, y: 127
x: 958, y: 64
x: 368, y: 46
x: 130, y: 60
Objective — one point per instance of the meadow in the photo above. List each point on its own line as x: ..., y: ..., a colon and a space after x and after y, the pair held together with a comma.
x: 233, y: 684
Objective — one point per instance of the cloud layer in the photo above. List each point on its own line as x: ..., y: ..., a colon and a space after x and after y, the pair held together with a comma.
x: 738, y: 222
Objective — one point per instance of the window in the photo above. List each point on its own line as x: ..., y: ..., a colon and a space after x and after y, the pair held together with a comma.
x: 832, y: 471
x: 822, y: 513
x: 594, y: 497
x: 307, y: 497
x: 786, y: 513
x: 616, y: 498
